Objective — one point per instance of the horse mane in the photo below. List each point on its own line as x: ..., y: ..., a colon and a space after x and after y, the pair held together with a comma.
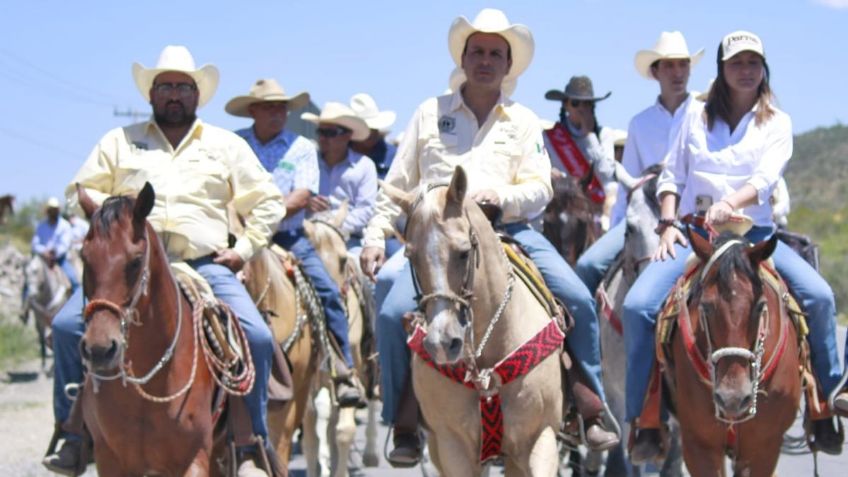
x: 110, y: 212
x: 733, y: 260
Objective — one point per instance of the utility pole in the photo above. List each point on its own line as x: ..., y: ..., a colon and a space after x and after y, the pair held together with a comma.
x: 130, y: 113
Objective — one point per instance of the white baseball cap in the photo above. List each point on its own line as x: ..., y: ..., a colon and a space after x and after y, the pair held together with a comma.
x: 739, y: 41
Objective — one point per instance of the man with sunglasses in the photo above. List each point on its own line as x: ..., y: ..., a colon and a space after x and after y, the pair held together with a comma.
x: 293, y: 161
x: 499, y: 143
x: 346, y: 175
x: 196, y: 170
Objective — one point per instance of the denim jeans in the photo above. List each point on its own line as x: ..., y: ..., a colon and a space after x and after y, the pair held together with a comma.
x: 70, y: 271
x: 649, y: 292
x: 597, y: 259
x: 68, y: 328
x: 328, y: 292
x: 563, y: 282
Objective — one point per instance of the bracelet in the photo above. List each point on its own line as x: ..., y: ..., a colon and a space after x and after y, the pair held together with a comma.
x: 663, y: 224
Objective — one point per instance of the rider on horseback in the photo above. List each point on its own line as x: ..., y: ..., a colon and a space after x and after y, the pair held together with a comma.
x: 52, y: 241
x: 499, y: 143
x: 197, y: 170
x: 727, y: 156
x: 293, y: 161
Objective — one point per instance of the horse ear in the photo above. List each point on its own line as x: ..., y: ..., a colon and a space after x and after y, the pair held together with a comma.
x: 458, y: 186
x: 762, y: 251
x: 144, y: 203
x: 624, y: 177
x: 341, y: 213
x: 403, y: 199
x: 702, y: 247
x: 85, y: 201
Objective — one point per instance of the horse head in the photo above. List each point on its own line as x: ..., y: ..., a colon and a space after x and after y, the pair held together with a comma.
x: 731, y: 305
x: 116, y: 257
x: 443, y: 247
x: 643, y: 212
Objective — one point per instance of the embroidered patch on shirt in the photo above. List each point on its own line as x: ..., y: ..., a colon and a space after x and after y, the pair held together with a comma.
x: 288, y: 166
x: 447, y: 124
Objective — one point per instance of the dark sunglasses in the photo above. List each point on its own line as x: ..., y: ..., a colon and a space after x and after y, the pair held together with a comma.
x: 332, y: 132
x: 576, y: 103
x: 182, y: 89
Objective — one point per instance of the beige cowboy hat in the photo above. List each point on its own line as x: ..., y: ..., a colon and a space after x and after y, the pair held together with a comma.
x: 264, y: 90
x: 619, y: 137
x: 366, y: 108
x: 705, y: 94
x: 670, y: 45
x: 177, y: 58
x: 52, y: 203
x: 490, y: 20
x: 339, y: 114
x: 578, y: 87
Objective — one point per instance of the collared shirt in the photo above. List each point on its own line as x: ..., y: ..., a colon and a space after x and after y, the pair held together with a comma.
x: 194, y: 183
x: 79, y: 229
x: 505, y: 153
x: 293, y: 161
x: 383, y: 153
x: 717, y: 163
x: 55, y: 237
x: 353, y: 180
x: 649, y: 137
x: 599, y: 151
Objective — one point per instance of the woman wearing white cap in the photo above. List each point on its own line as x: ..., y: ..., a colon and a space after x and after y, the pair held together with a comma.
x: 728, y: 156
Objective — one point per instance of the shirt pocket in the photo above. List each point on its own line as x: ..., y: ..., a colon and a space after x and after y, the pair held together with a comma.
x: 206, y: 173
x: 438, y: 155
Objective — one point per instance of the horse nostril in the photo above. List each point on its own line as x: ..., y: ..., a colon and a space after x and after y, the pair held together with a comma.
x: 718, y: 399
x: 84, y: 351
x: 455, y: 346
x: 746, y: 402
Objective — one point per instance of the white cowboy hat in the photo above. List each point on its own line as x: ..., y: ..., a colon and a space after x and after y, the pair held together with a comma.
x: 671, y: 45
x: 264, y: 90
x: 179, y: 59
x: 366, y: 108
x: 338, y: 113
x: 457, y: 79
x: 52, y: 203
x: 490, y: 20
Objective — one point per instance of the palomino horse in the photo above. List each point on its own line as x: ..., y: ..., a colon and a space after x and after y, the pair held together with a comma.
x: 47, y: 290
x: 292, y: 322
x: 325, y: 234
x: 640, y: 242
x: 733, y: 365
x: 570, y: 218
x: 477, y: 319
x: 140, y: 329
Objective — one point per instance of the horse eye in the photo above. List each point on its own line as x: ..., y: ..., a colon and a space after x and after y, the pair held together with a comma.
x: 463, y: 254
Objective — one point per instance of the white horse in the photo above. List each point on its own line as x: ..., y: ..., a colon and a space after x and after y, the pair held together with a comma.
x: 47, y: 290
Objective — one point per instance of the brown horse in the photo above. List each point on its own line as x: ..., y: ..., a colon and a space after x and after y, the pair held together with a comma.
x: 734, y: 362
x: 140, y: 331
x: 477, y: 318
x: 7, y: 207
x: 570, y: 219
x: 275, y: 293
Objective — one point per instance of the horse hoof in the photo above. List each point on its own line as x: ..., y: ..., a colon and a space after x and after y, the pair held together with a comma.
x: 370, y: 460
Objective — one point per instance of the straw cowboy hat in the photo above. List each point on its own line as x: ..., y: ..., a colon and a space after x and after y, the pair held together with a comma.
x: 671, y: 45
x: 52, y: 203
x: 264, y: 90
x: 366, y: 108
x: 490, y: 20
x: 578, y: 87
x: 179, y: 59
x: 339, y: 114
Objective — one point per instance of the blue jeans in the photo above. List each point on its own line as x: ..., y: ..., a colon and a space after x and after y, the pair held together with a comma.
x: 328, y: 292
x: 648, y: 293
x: 69, y: 270
x: 68, y: 328
x: 594, y: 263
x: 563, y: 282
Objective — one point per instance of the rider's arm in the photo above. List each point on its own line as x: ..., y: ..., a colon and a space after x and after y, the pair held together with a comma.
x: 307, y: 177
x: 776, y: 153
x: 531, y: 187
x: 364, y: 199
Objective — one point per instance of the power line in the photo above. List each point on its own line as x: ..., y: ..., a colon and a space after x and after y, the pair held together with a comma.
x: 37, y: 142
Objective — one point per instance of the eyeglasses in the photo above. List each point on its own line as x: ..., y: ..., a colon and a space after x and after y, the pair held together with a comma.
x: 576, y: 103
x: 332, y: 132
x: 183, y: 89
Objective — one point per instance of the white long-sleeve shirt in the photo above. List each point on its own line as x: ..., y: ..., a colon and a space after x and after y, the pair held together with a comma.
x: 649, y: 138
x: 719, y: 162
x: 505, y: 154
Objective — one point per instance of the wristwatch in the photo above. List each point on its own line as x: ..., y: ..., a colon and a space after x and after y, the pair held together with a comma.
x: 663, y: 224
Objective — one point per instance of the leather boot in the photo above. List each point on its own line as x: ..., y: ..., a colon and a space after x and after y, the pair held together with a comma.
x: 66, y: 461
x: 827, y: 438
x: 646, y: 447
x: 598, y: 438
x: 406, y: 437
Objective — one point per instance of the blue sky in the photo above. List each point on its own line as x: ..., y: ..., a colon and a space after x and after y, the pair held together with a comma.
x: 65, y: 66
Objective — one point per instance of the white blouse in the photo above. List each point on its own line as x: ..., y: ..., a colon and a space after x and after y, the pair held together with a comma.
x: 717, y: 163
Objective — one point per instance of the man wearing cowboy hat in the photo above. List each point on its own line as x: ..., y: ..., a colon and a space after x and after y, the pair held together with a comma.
x: 196, y: 170
x: 346, y: 175
x: 375, y: 145
x: 293, y: 161
x: 52, y: 240
x: 478, y: 126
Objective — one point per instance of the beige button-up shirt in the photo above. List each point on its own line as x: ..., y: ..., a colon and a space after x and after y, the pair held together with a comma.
x: 194, y: 183
x: 506, y: 154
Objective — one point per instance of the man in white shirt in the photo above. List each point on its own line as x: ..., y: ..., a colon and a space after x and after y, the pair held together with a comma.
x: 648, y: 138
x: 499, y: 143
x: 52, y: 240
